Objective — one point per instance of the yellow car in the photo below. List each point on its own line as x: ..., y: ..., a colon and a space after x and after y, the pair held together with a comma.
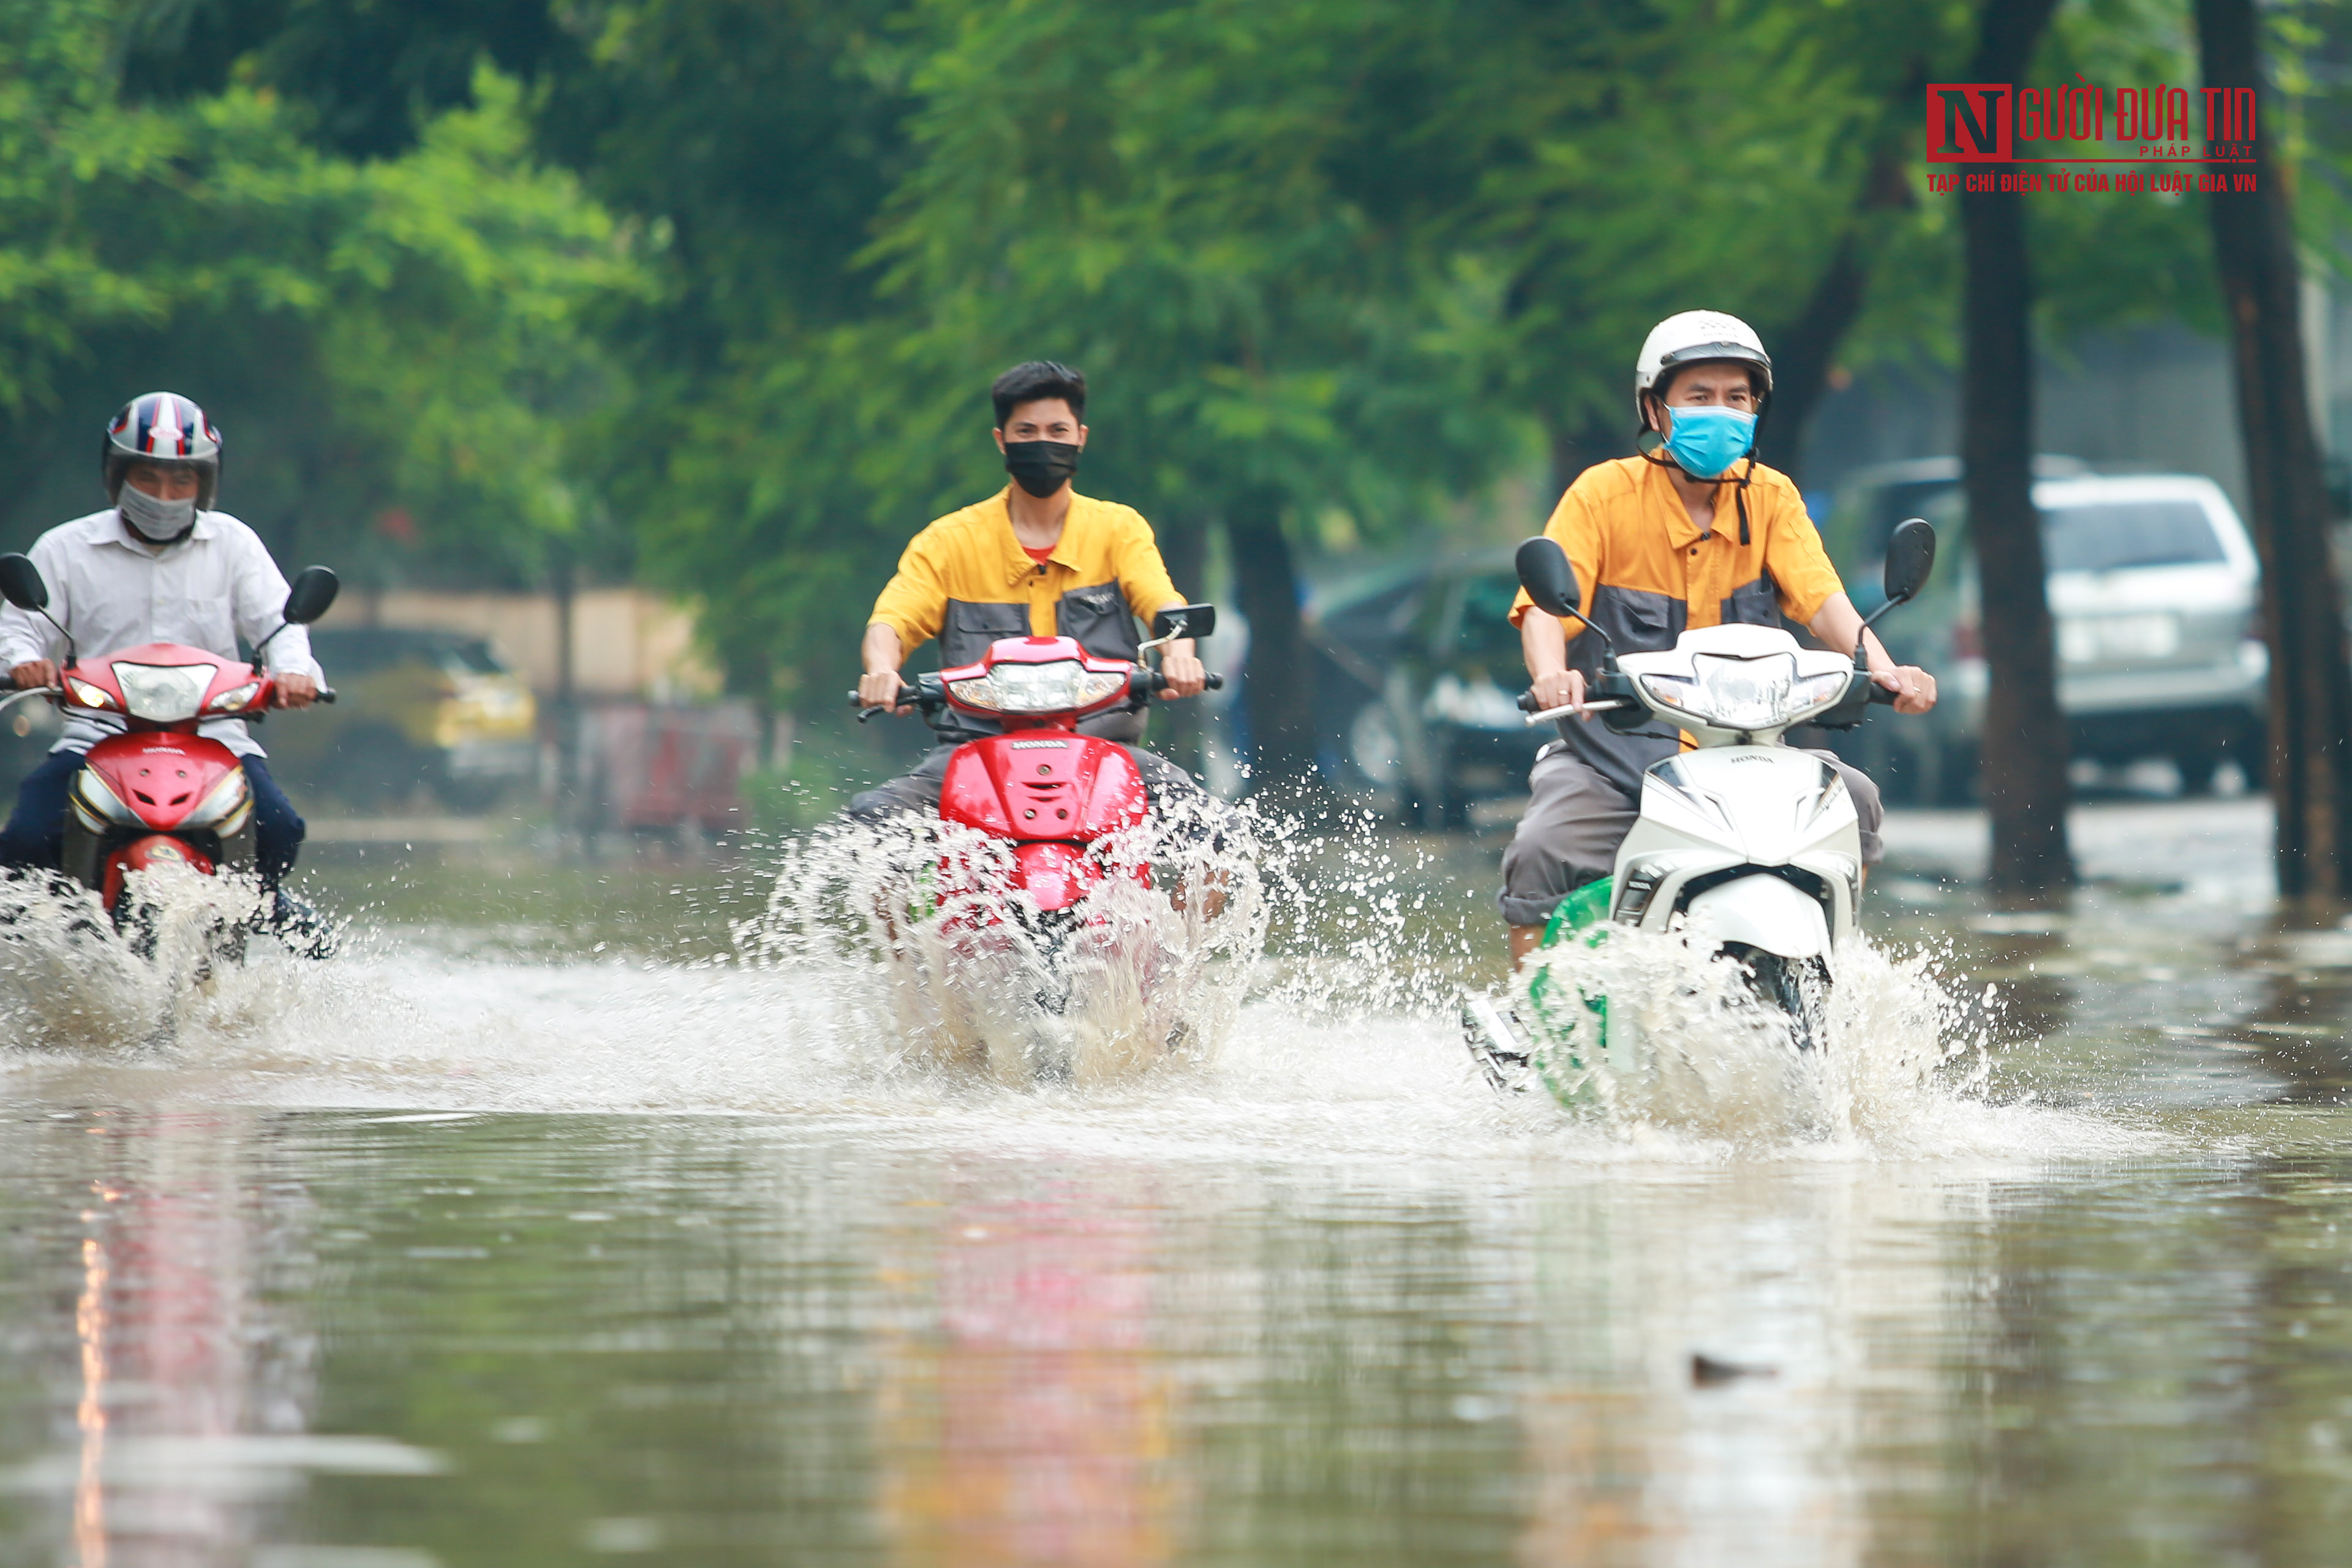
x: 415, y: 711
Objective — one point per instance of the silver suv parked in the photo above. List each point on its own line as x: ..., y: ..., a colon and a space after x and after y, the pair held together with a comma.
x: 2153, y: 590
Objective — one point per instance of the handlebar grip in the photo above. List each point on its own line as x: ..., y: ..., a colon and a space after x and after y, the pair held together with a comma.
x: 1529, y: 702
x: 1880, y: 695
x: 326, y: 694
x: 1149, y: 682
x: 908, y: 697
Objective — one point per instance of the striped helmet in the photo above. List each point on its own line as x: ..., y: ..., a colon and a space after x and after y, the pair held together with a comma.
x: 168, y: 430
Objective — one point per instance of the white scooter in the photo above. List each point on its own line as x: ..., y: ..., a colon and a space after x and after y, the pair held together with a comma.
x: 1746, y: 846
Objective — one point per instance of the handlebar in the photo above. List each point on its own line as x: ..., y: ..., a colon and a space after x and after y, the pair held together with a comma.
x: 325, y: 694
x: 927, y: 693
x: 1537, y: 714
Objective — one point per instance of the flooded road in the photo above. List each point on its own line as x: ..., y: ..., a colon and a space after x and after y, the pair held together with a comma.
x: 538, y: 1229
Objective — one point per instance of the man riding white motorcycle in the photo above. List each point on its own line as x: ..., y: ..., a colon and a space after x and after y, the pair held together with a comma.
x: 1691, y: 532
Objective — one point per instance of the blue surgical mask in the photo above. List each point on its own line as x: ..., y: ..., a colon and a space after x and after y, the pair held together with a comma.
x: 1708, y: 441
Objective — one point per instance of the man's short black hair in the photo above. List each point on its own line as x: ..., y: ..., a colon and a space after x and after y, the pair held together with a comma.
x: 1040, y: 378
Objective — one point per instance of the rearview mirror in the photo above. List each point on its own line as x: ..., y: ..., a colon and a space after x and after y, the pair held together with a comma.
x: 1550, y: 580
x: 1185, y: 621
x: 311, y: 596
x: 21, y: 584
x: 1910, y: 556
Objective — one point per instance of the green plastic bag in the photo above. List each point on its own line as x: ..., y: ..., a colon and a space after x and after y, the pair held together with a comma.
x: 1574, y: 1042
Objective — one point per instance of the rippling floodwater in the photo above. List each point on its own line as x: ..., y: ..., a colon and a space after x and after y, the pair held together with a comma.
x: 537, y: 1230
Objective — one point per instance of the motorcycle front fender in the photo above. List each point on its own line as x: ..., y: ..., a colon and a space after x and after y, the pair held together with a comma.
x: 1763, y: 912
x: 1055, y: 875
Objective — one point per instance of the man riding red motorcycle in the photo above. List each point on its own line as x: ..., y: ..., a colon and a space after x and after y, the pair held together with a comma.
x: 157, y: 566
x: 1035, y: 560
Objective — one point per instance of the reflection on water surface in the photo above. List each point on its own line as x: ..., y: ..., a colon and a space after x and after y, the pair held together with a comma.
x: 472, y: 1249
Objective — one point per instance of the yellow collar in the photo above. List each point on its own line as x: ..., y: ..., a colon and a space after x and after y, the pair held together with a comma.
x: 1017, y: 561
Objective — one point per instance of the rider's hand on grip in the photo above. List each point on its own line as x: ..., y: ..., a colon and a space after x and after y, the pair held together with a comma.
x: 907, y: 697
x: 1557, y: 690
x: 1148, y: 682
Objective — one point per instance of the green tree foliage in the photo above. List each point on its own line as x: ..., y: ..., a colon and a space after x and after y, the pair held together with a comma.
x: 396, y: 349
x: 1321, y: 258
x: 754, y: 143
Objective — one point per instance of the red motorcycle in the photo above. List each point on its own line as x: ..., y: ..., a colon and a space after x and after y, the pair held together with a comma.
x: 159, y: 794
x: 1051, y: 804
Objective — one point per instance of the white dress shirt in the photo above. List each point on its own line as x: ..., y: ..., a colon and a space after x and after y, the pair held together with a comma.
x: 111, y: 591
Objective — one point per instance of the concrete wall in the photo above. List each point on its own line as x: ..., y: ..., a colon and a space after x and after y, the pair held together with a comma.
x: 626, y: 642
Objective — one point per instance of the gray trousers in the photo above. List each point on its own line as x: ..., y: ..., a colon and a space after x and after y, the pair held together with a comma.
x: 1576, y: 819
x: 919, y: 790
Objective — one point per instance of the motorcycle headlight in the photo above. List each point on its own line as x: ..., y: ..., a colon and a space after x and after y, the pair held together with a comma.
x: 85, y: 695
x: 1064, y: 686
x: 99, y: 805
x: 163, y: 693
x: 1744, y: 693
x: 236, y: 700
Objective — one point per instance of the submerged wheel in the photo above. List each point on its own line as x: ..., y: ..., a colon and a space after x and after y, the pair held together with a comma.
x: 1798, y: 988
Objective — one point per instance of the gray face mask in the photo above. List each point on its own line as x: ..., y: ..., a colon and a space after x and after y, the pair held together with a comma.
x: 157, y: 522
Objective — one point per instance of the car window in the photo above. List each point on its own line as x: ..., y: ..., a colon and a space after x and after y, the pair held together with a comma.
x: 1892, y: 503
x: 360, y: 652
x: 365, y: 650
x: 473, y: 657
x: 1486, y: 632
x: 2110, y: 536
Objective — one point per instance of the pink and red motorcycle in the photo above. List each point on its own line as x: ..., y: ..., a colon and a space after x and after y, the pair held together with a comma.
x: 1021, y: 917
x: 159, y: 792
x: 1049, y: 793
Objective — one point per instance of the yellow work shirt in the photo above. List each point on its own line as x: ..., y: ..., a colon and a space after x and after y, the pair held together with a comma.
x: 966, y: 581
x: 1645, y: 575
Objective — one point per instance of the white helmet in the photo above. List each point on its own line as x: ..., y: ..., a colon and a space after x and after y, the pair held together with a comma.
x: 1694, y: 336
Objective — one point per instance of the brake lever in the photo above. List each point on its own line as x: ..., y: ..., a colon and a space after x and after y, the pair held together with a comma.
x: 16, y: 697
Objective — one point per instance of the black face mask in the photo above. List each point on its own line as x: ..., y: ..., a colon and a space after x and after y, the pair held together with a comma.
x: 1041, y: 468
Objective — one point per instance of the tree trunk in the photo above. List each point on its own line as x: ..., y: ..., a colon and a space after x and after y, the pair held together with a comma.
x: 1805, y: 351
x: 1596, y: 440
x: 1184, y: 547
x: 2023, y: 743
x: 1800, y: 371
x: 2310, y: 687
x: 1276, y: 688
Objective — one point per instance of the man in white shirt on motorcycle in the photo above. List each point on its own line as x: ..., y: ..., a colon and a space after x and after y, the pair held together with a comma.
x: 157, y: 565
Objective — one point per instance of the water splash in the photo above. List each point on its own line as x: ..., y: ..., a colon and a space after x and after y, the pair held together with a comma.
x: 903, y: 921
x: 71, y: 979
x: 1695, y: 1049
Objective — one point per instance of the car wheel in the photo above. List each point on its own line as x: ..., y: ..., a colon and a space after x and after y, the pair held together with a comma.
x: 1955, y: 774
x: 2198, y: 766
x: 1373, y: 749
x: 468, y: 796
x: 374, y: 766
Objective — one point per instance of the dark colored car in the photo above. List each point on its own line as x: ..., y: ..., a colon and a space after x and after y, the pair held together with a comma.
x: 1419, y: 672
